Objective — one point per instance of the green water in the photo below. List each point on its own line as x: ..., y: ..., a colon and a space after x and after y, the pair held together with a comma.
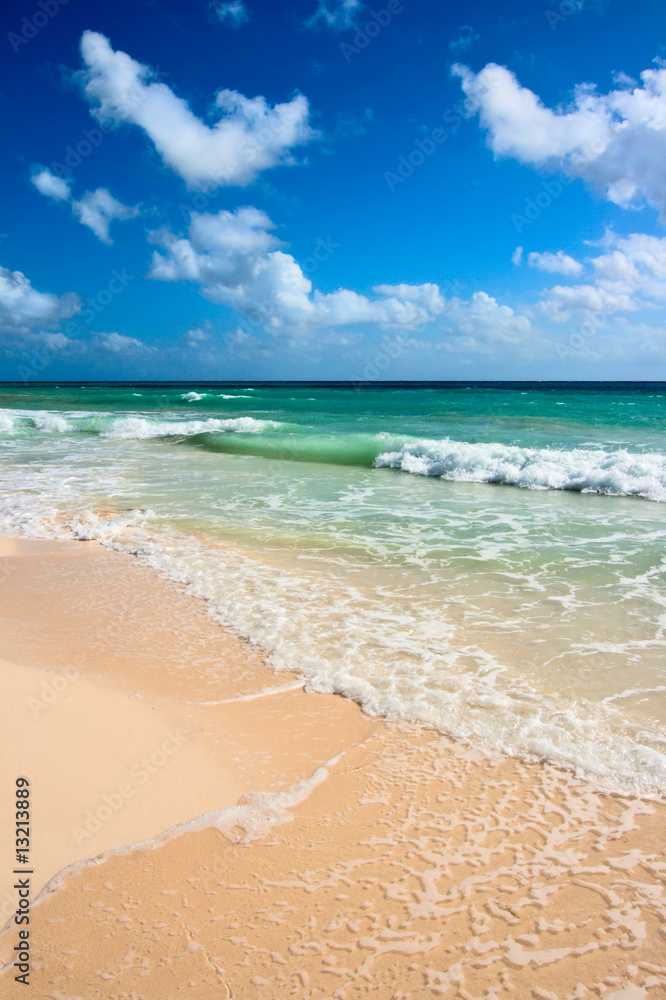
x: 485, y: 559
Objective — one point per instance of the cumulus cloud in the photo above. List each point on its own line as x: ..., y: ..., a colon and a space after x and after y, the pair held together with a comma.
x: 248, y: 136
x: 338, y: 15
x: 197, y: 335
x: 563, y: 299
x: 483, y: 317
x: 23, y: 308
x: 555, y: 263
x: 96, y: 209
x: 630, y: 275
x: 51, y: 186
x: 616, y: 141
x: 118, y: 343
x: 517, y: 256
x: 233, y: 12
x: 235, y: 260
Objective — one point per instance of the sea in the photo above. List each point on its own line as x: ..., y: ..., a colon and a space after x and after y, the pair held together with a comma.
x: 485, y: 559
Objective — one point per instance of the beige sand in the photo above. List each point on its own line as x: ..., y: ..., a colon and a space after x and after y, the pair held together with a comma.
x: 414, y: 868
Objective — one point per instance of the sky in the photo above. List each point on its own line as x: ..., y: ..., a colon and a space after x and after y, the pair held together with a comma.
x: 330, y: 189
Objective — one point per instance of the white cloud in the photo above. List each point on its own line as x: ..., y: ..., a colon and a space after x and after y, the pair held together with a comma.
x: 634, y: 265
x: 638, y: 258
x: 517, y: 256
x: 616, y: 141
x: 117, y: 343
x: 23, y: 308
x: 196, y: 336
x: 338, y: 15
x: 249, y: 136
x: 96, y: 209
x: 235, y: 260
x: 630, y: 275
x: 562, y: 299
x: 51, y: 186
x: 554, y: 263
x: 481, y: 316
x: 233, y: 12
x: 54, y: 341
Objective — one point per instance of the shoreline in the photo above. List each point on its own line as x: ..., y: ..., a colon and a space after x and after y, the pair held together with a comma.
x: 102, y: 622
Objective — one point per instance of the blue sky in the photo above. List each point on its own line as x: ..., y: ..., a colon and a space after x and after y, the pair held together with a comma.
x: 330, y: 189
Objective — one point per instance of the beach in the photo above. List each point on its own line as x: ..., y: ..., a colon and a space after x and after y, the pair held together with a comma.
x: 332, y: 501
x: 317, y: 691
x: 202, y: 825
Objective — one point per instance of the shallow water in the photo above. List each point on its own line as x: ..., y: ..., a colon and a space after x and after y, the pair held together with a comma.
x: 487, y: 560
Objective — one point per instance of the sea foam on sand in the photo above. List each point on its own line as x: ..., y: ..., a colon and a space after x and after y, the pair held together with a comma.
x: 360, y: 856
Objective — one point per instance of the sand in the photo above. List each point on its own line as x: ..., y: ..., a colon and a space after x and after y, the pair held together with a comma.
x: 289, y: 846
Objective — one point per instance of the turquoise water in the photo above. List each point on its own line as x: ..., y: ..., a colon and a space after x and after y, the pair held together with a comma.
x: 486, y: 559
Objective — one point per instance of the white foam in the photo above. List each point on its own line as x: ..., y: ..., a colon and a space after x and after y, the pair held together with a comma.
x: 255, y: 815
x: 52, y: 423
x: 88, y: 527
x: 143, y: 428
x: 620, y: 473
x: 42, y: 420
x: 404, y: 665
x: 191, y: 397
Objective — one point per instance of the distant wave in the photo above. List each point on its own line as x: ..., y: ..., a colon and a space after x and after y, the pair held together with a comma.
x: 142, y: 428
x: 139, y: 427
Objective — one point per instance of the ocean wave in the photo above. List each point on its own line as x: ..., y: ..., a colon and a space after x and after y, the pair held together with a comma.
x: 616, y: 473
x: 139, y: 427
x: 143, y: 428
x: 51, y: 423
x: 613, y: 471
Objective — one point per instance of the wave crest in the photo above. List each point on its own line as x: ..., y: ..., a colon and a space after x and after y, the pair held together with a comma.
x: 617, y: 473
x: 142, y: 428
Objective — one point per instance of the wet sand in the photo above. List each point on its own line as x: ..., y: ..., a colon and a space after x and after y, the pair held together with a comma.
x: 324, y: 853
